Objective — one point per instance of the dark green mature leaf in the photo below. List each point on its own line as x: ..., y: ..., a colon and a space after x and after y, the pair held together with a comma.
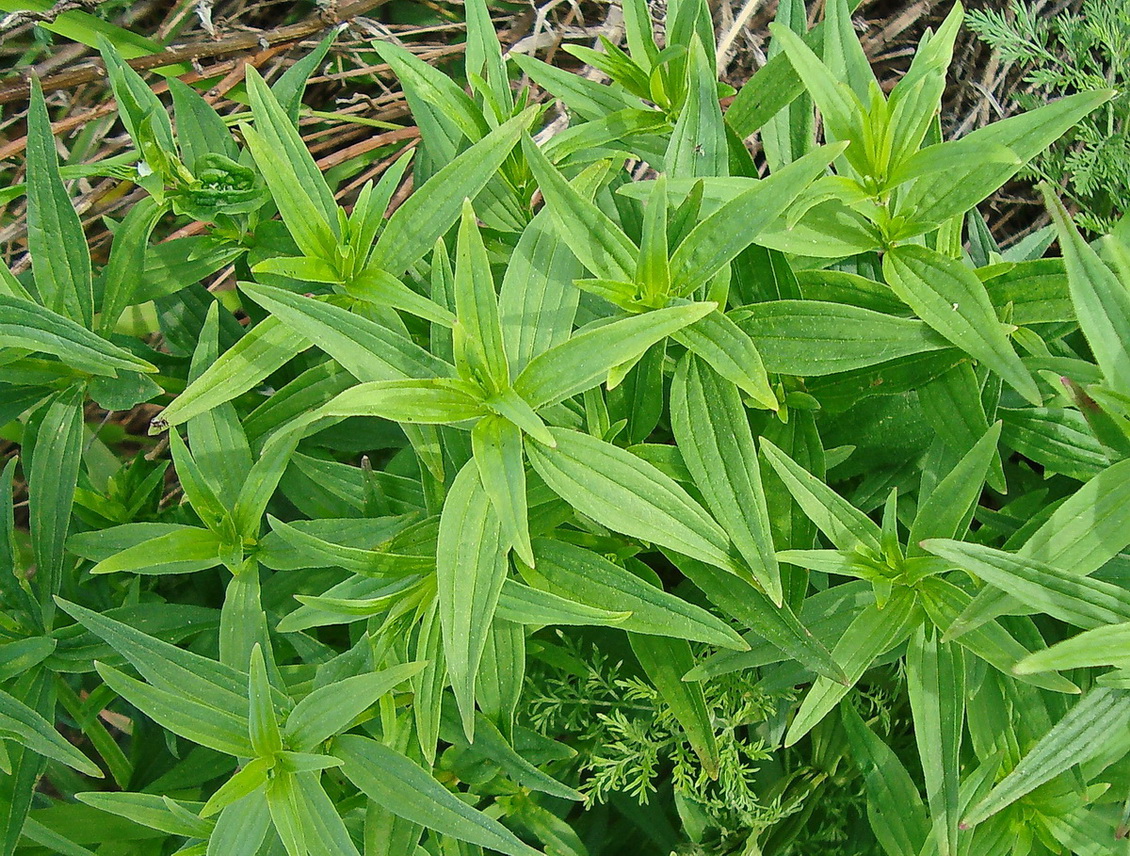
x: 873, y: 632
x: 265, y: 347
x: 1079, y: 600
x: 27, y: 728
x: 497, y: 448
x: 665, y: 661
x: 894, y: 805
x: 366, y: 349
x: 719, y: 238
x: 59, y: 257
x: 55, y: 463
x: 586, y: 358
x: 408, y: 791
x: 936, y: 682
x: 1101, y: 302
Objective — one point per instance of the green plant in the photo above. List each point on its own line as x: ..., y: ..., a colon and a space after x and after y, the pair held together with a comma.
x: 1062, y: 54
x: 819, y: 502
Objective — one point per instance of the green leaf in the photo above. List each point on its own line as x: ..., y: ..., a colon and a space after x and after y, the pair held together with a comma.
x: 712, y: 430
x: 428, y: 401
x: 29, y: 326
x: 1101, y: 301
x: 470, y: 571
x: 367, y: 350
x: 262, y: 350
x: 497, y: 447
x: 809, y: 338
x: 665, y: 661
x: 433, y: 208
x: 241, y: 827
x: 168, y: 667
x: 1089, y: 529
x: 1102, y: 646
x: 731, y: 353
x: 588, y: 578
x: 698, y: 143
x: 586, y: 358
x: 300, y: 191
x: 262, y: 721
x: 947, y: 510
x: 952, y: 404
x: 121, y: 284
x: 409, y: 791
x: 949, y: 297
x: 753, y: 608
x: 845, y: 525
x: 26, y: 727
x: 333, y: 708
x: 629, y: 495
x: 56, y: 461
x: 1076, y: 599
x: 1075, y: 739
x: 598, y: 242
x: 201, y: 723
x: 476, y: 305
x: 60, y: 260
x: 176, y: 817
x: 182, y: 551
x: 719, y: 238
x: 873, y: 632
x: 894, y: 805
x: 522, y: 604
x: 936, y: 683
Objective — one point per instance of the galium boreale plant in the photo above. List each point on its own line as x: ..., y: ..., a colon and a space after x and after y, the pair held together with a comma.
x: 826, y: 485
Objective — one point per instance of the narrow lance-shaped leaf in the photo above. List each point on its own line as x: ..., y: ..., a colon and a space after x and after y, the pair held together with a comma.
x: 585, y: 359
x: 598, y: 242
x: 1089, y: 529
x: 497, y: 446
x: 409, y: 791
x: 629, y: 495
x: 1101, y: 302
x: 476, y: 305
x: 720, y: 237
x: 27, y: 325
x: 665, y: 661
x: 936, y: 683
x: 873, y: 632
x: 26, y: 727
x: 1079, y: 600
x: 581, y: 575
x: 55, y: 462
x: 427, y: 401
x: 712, y: 430
x: 430, y: 211
x: 470, y: 570
x: 262, y: 350
x: 60, y: 260
x: 949, y: 297
x: 894, y: 805
x: 1076, y: 738
x: 845, y: 525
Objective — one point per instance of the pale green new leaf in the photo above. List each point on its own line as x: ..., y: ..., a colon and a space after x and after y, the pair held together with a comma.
x: 712, y: 430
x: 949, y: 297
x: 1076, y: 738
x: 497, y: 447
x: 470, y: 570
x: 629, y: 495
x: 428, y: 401
x: 261, y: 350
x: 586, y: 358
